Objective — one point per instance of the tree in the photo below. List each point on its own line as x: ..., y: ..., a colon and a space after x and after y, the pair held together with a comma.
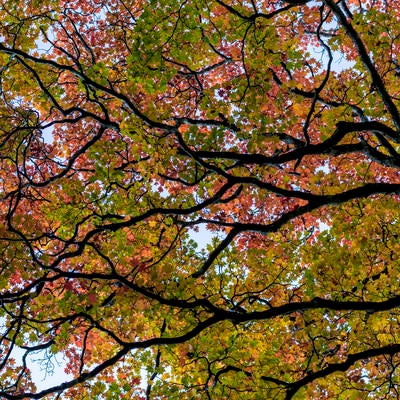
x: 274, y: 126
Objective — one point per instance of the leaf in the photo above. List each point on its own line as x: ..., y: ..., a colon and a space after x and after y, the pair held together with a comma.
x: 199, y: 199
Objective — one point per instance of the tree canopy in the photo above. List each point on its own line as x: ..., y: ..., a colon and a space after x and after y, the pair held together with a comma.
x: 128, y: 129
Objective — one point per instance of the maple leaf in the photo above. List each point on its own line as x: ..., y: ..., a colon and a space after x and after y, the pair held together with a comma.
x: 272, y: 126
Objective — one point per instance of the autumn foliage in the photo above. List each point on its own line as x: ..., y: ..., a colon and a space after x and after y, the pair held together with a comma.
x: 200, y: 199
